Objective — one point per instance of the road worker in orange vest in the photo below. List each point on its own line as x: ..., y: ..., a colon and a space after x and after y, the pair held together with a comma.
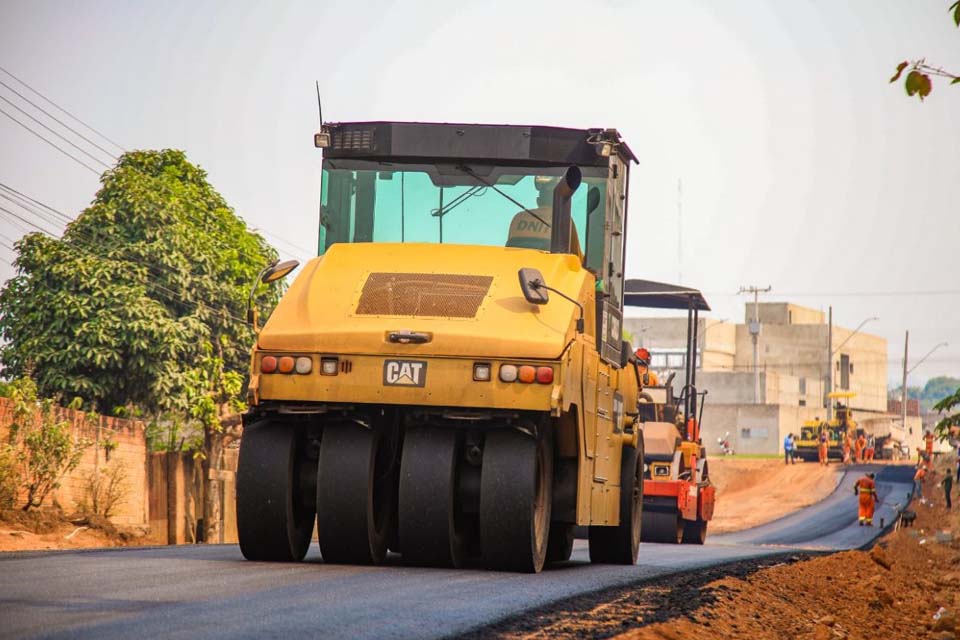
x: 847, y: 445
x: 648, y: 378
x: 824, y: 448
x: 859, y: 446
x: 866, y: 489
x: 871, y: 449
x: 918, y: 479
x: 928, y: 438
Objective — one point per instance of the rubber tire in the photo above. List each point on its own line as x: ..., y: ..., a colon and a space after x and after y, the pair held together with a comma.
x: 621, y: 544
x: 430, y: 531
x: 560, y: 546
x: 354, y: 495
x: 662, y: 527
x: 694, y: 532
x: 516, y: 485
x: 274, y: 522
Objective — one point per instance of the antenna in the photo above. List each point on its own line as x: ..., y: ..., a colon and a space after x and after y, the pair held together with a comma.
x: 319, y: 106
x: 679, y: 231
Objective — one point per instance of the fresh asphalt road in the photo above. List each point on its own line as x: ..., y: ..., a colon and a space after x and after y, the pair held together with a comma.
x: 204, y: 591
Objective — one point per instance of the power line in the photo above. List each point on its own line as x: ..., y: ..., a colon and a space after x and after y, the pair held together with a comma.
x: 66, y: 153
x: 42, y: 215
x: 62, y: 137
x: 24, y: 220
x: 62, y: 110
x: 162, y: 291
x: 852, y: 294
x: 65, y: 217
x: 172, y: 295
x: 56, y: 119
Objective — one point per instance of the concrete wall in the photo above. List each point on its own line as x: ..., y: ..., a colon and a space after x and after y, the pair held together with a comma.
x: 753, y: 428
x: 783, y: 313
x: 114, y: 441
x: 732, y: 387
x: 184, y: 494
x: 149, y: 490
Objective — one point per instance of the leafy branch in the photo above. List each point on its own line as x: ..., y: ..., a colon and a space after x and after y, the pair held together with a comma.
x: 918, y: 82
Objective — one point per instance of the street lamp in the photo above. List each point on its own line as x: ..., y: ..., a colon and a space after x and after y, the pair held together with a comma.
x: 942, y: 344
x: 906, y: 372
x: 855, y: 332
x: 833, y: 352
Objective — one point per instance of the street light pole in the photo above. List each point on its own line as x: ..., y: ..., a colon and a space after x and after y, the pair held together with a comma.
x: 755, y: 335
x: 903, y: 387
x: 831, y: 352
x: 906, y: 372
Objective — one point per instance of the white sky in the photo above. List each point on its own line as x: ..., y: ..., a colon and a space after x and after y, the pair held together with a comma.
x: 801, y: 167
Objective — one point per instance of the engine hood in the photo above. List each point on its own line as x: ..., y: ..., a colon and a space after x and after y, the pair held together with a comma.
x: 466, y: 298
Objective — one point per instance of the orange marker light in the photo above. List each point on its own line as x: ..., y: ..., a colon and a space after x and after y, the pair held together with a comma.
x: 527, y: 374
x: 286, y: 364
x: 544, y: 375
x: 268, y: 364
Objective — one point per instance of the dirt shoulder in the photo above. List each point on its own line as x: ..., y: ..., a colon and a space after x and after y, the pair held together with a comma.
x: 52, y: 529
x: 751, y: 492
x: 907, y: 586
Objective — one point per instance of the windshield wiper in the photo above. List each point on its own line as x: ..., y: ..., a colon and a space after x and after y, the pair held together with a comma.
x: 456, y: 202
x: 467, y: 170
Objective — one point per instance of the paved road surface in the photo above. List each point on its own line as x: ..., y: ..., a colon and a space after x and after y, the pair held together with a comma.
x: 210, y: 591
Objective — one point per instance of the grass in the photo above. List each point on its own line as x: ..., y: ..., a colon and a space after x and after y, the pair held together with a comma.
x: 752, y: 456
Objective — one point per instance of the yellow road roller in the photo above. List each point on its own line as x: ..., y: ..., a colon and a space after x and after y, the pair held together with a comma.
x: 447, y: 379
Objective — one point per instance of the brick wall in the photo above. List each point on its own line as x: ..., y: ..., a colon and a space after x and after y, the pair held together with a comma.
x: 130, y: 452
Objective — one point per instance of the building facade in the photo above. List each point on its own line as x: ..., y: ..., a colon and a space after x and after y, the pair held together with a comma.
x: 800, y: 359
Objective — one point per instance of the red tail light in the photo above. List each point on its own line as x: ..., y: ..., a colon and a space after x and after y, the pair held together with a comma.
x: 544, y: 375
x: 268, y: 364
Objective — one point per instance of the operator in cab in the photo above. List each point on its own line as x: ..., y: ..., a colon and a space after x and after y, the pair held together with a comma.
x: 530, y: 228
x: 647, y: 378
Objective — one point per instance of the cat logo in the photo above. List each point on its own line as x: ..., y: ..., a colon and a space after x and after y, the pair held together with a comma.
x: 404, y: 373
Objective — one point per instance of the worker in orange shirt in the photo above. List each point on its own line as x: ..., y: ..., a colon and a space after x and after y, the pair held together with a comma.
x: 928, y: 438
x: 866, y: 490
x: 859, y: 446
x: 824, y: 447
x: 847, y: 445
x: 647, y: 377
x: 918, y: 480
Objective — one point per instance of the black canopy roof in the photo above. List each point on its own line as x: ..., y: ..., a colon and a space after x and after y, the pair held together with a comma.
x: 507, y: 144
x: 660, y: 295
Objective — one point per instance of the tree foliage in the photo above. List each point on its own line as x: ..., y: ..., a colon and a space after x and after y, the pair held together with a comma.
x: 918, y: 82
x: 949, y: 424
x: 149, y: 281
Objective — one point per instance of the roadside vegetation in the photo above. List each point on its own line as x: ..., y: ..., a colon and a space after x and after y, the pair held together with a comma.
x: 137, y: 311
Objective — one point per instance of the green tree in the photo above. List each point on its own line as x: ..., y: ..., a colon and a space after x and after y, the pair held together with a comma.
x: 152, y: 276
x: 948, y: 424
x: 939, y: 388
x: 917, y: 81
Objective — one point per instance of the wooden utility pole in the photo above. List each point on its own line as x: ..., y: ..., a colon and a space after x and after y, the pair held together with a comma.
x: 903, y: 387
x: 829, y: 364
x: 755, y: 336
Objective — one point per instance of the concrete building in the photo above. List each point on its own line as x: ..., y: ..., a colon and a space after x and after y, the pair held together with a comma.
x: 794, y: 368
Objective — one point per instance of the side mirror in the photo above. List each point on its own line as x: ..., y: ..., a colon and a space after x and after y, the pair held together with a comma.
x: 278, y: 270
x: 626, y: 354
x: 271, y: 273
x: 593, y: 199
x: 532, y: 285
